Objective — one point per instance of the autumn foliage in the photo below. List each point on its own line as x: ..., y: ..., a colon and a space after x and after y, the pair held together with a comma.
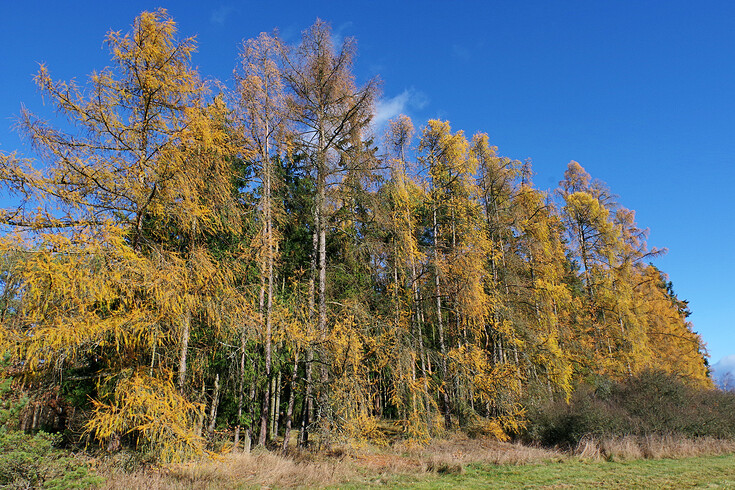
x: 189, y: 268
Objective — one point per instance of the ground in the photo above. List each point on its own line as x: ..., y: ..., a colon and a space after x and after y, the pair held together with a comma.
x: 458, y: 462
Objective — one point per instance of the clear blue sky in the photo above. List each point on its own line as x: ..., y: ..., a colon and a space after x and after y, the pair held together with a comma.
x: 642, y: 94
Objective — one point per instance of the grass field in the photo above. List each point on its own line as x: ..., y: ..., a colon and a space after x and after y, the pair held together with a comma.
x: 455, y: 463
x: 700, y: 472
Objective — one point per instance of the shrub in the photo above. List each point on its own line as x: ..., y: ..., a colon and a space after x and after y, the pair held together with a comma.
x: 31, y: 461
x: 651, y: 403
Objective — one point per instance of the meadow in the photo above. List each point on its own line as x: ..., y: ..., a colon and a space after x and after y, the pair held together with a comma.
x: 455, y: 462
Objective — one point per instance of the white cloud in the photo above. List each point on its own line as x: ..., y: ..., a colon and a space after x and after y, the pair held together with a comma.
x: 338, y: 34
x: 460, y: 52
x: 723, y: 372
x: 726, y: 363
x: 219, y: 15
x: 402, y: 103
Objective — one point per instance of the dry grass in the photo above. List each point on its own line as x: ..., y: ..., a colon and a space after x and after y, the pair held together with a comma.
x: 259, y: 468
x: 650, y: 447
x: 368, y: 464
x: 453, y: 454
x: 377, y: 465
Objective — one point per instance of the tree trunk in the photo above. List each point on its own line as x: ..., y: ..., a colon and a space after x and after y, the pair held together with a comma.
x: 291, y: 401
x: 247, y: 443
x: 308, y: 404
x: 213, y: 408
x: 241, y: 388
x: 186, y: 321
x: 268, y: 218
x: 440, y: 326
x: 276, y: 407
x: 308, y: 407
x: 324, y: 408
x: 200, y: 416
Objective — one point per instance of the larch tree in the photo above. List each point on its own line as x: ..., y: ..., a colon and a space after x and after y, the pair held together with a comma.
x: 406, y: 196
x: 262, y: 117
x: 496, y: 183
x: 330, y: 114
x: 445, y: 157
x: 543, y: 294
x: 593, y: 241
x: 109, y: 286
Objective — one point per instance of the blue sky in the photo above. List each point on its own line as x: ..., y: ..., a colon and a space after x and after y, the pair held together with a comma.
x: 642, y: 94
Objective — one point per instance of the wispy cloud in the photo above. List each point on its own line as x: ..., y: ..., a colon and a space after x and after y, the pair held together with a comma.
x: 723, y: 373
x: 291, y: 34
x: 460, y: 52
x: 219, y: 15
x: 403, y: 103
x: 338, y: 33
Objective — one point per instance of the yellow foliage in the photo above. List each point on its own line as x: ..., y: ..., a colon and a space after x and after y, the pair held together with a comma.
x: 488, y: 428
x: 152, y: 412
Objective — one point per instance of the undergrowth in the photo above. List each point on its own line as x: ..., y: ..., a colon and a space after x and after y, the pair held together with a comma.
x: 32, y: 461
x: 650, y: 404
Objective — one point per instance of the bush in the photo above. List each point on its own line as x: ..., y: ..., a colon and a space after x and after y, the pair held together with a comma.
x: 31, y: 461
x: 586, y: 414
x: 651, y: 403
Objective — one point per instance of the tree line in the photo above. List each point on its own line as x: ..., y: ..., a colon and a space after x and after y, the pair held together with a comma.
x: 187, y: 264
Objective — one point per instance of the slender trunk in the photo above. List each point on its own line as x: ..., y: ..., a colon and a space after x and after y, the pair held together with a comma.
x: 240, y: 388
x: 322, y: 267
x: 266, y: 392
x: 275, y: 398
x: 325, y: 414
x: 185, y: 321
x: 36, y: 413
x: 153, y: 356
x: 271, y: 416
x: 440, y: 326
x: 413, y: 382
x: 268, y: 224
x: 200, y: 417
x: 291, y: 400
x: 213, y: 408
x: 262, y: 439
x: 249, y: 431
x: 308, y: 406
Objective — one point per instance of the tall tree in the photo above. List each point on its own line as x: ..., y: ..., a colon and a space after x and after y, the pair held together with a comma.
x: 542, y: 294
x: 115, y: 266
x: 593, y: 240
x: 448, y: 162
x: 406, y: 196
x: 262, y: 117
x: 330, y: 114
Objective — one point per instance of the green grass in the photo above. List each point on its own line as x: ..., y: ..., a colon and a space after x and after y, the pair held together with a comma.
x: 700, y: 472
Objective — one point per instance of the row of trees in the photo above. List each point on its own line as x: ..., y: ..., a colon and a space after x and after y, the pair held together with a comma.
x: 184, y: 262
